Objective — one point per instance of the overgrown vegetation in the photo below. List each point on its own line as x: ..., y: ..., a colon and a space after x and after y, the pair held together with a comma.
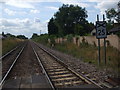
x: 89, y: 53
x: 86, y: 52
x: 9, y: 43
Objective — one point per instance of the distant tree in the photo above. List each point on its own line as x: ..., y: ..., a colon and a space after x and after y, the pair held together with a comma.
x: 52, y: 28
x: 111, y: 15
x: 21, y: 37
x: 9, y: 35
x: 118, y: 14
x: 35, y: 35
x: 3, y: 33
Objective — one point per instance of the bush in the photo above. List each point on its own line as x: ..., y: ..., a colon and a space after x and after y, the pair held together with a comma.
x: 69, y: 37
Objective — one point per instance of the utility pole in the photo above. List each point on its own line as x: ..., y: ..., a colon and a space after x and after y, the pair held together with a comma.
x: 40, y: 32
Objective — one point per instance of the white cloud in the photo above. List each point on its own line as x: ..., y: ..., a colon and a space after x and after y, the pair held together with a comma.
x: 52, y: 8
x: 9, y: 12
x: 13, y: 12
x: 36, y: 20
x: 34, y: 11
x: 22, y: 26
x: 75, y: 2
x: 104, y: 5
x: 19, y: 3
x: 26, y: 3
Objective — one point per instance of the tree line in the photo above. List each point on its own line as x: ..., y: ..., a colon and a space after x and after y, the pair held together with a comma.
x: 70, y: 19
x: 13, y: 36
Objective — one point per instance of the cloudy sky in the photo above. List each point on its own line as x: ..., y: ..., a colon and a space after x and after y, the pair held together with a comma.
x: 30, y: 16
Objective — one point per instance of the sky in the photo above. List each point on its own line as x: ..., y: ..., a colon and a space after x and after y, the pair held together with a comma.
x: 26, y: 17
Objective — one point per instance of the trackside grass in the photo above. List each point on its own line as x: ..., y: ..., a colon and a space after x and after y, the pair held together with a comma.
x: 88, y: 53
x: 8, y: 44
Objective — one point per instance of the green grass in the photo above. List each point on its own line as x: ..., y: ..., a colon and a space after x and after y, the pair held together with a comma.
x: 8, y: 44
x: 89, y: 53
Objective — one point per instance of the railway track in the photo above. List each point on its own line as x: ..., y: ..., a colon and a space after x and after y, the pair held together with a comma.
x: 23, y: 71
x: 7, y: 70
x: 59, y: 74
x: 8, y: 53
x: 11, y: 51
x: 107, y: 83
x: 9, y: 58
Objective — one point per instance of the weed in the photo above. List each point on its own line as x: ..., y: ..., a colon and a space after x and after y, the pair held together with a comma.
x: 8, y: 44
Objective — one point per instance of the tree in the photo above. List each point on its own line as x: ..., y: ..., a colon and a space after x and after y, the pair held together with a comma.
x: 34, y: 35
x: 52, y: 28
x: 21, y: 37
x: 111, y: 15
x: 118, y: 14
x: 68, y: 18
x: 9, y: 35
x: 78, y: 30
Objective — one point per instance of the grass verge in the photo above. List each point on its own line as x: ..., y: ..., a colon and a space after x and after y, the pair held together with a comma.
x: 89, y: 53
x: 8, y: 44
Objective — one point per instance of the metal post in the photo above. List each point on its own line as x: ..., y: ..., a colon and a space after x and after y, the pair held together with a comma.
x: 98, y: 45
x: 103, y: 17
x: 105, y: 51
x: 104, y: 44
x: 99, y: 52
x: 97, y: 17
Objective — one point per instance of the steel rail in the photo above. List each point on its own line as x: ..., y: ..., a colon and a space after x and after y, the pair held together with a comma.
x: 43, y: 68
x: 79, y: 75
x: 8, y: 53
x: 2, y: 81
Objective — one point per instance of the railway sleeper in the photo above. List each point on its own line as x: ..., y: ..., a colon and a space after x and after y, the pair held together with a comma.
x: 60, y: 76
x: 105, y: 85
x: 63, y: 79
x: 54, y: 66
x: 58, y: 73
x: 69, y: 83
x: 47, y: 67
x: 56, y: 70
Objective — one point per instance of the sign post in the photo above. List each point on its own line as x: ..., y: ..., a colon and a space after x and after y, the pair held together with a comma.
x: 104, y: 44
x: 101, y: 33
